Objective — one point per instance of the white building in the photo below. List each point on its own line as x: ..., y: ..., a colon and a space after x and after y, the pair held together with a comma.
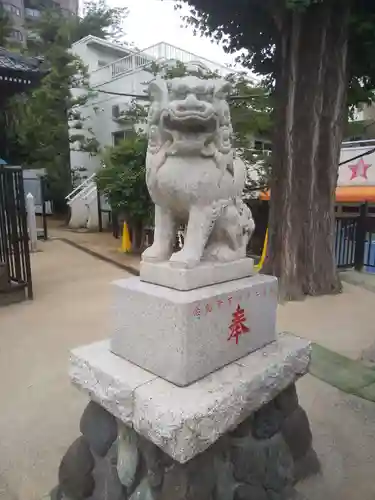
x: 121, y: 70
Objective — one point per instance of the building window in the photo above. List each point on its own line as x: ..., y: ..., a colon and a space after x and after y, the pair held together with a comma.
x: 117, y: 137
x: 120, y: 135
x: 67, y: 12
x: 34, y: 13
x: 116, y: 111
x: 12, y: 9
x: 16, y: 35
x: 262, y: 146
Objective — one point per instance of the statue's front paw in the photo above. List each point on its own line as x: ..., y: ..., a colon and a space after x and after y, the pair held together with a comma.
x: 184, y: 259
x: 156, y: 253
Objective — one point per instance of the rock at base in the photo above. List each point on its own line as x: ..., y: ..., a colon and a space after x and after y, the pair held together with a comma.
x: 107, y: 483
x: 297, y: 433
x: 194, y: 480
x: 99, y: 428
x: 308, y: 465
x: 287, y: 401
x: 267, y: 421
x: 75, y: 472
x: 250, y: 492
x: 267, y: 463
x: 241, y: 465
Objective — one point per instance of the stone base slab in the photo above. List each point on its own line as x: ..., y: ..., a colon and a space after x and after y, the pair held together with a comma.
x: 205, y: 274
x: 184, y: 336
x: 185, y: 421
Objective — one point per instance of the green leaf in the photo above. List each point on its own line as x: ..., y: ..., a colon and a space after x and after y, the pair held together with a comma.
x: 122, y: 179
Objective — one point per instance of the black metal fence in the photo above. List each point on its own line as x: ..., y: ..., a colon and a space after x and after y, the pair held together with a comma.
x: 345, y: 241
x: 369, y: 243
x: 14, y: 240
x: 369, y: 255
x: 105, y: 209
x: 355, y: 241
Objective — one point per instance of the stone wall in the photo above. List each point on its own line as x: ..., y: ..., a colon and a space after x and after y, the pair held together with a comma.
x: 260, y: 460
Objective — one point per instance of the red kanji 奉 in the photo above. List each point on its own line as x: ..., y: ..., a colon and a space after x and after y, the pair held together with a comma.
x: 238, y: 326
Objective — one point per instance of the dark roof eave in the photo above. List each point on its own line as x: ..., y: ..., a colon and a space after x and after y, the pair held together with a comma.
x: 13, y: 61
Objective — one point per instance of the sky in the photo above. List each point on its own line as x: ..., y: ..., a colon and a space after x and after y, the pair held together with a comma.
x: 153, y: 21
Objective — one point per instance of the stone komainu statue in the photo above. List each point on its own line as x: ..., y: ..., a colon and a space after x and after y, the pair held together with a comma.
x: 193, y: 175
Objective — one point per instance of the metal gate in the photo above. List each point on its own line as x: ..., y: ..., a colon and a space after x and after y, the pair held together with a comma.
x: 14, y: 240
x: 355, y: 241
x: 369, y: 246
x: 345, y: 241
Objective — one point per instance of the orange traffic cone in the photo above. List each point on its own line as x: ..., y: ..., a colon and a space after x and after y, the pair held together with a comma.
x: 126, y: 244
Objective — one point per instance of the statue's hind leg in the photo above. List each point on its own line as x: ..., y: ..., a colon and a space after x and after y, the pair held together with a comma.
x: 164, y: 237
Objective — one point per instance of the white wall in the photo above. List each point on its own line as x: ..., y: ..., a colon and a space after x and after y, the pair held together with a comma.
x: 92, y: 50
x: 101, y: 120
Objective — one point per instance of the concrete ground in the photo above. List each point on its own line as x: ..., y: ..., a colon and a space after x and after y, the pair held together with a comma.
x: 104, y: 245
x: 363, y: 279
x: 343, y: 323
x: 343, y: 428
x: 40, y: 411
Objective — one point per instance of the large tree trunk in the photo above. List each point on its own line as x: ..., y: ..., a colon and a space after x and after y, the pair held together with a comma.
x: 310, y: 107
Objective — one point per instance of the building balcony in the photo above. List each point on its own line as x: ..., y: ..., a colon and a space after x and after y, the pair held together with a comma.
x: 159, y: 53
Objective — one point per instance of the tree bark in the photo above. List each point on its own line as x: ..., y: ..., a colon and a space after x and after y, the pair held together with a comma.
x: 310, y: 107
x: 137, y: 236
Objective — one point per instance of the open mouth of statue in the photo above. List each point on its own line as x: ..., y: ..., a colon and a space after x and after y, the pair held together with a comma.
x: 193, y: 123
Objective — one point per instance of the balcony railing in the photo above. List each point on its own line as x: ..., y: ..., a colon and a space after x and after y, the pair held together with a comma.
x: 130, y: 63
x: 160, y: 52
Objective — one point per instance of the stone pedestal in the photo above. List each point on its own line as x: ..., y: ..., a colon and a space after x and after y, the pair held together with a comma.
x: 184, y: 421
x: 205, y: 274
x: 239, y: 433
x: 184, y: 335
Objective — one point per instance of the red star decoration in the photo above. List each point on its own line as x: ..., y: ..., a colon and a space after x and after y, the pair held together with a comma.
x: 359, y: 169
